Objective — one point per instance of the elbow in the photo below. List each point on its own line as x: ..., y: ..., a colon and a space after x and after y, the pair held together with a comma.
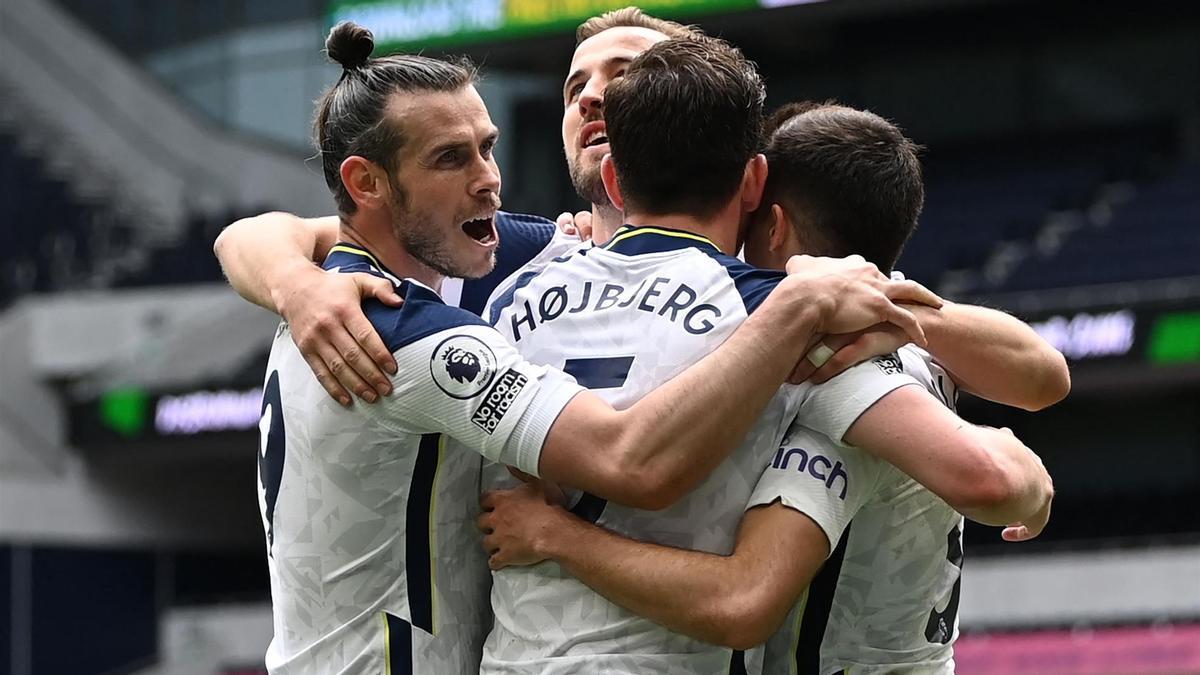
x: 640, y: 480
x: 1053, y: 386
x: 986, y: 486
x: 224, y: 241
x: 221, y: 243
x: 644, y: 488
x: 998, y: 492
x: 742, y: 623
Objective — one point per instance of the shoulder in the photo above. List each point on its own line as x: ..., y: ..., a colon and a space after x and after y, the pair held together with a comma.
x: 523, y: 232
x: 522, y: 238
x: 752, y: 283
x: 422, y: 314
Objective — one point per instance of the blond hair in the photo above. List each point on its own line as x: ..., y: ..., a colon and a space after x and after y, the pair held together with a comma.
x: 634, y: 17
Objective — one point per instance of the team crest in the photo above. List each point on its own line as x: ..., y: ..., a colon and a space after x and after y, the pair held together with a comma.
x: 463, y: 366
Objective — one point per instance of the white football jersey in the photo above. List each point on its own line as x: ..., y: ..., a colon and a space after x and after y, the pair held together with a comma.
x: 623, y: 319
x: 369, y: 513
x: 886, y: 600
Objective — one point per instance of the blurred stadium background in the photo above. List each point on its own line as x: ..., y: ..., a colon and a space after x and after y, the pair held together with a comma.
x: 1063, y: 169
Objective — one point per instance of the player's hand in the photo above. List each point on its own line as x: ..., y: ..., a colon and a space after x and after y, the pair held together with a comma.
x: 579, y: 223
x: 1031, y: 527
x: 516, y: 522
x: 849, y: 350
x: 337, y: 341
x: 855, y: 295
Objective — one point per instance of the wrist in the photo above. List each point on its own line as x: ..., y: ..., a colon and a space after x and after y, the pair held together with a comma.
x: 932, y: 319
x: 284, y: 280
x: 557, y: 537
x: 804, y: 307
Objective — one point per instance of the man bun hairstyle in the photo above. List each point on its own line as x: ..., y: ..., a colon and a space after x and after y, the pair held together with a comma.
x: 350, y: 45
x: 351, y: 116
x: 850, y: 180
x: 683, y: 123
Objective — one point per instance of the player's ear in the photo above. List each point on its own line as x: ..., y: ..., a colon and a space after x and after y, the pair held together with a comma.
x: 777, y: 235
x: 608, y: 174
x: 754, y: 179
x: 365, y: 181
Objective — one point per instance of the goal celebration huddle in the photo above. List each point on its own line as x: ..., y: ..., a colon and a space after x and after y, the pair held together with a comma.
x: 702, y: 428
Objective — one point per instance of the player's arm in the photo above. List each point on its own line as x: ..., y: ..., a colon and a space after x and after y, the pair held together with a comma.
x: 988, y: 353
x: 986, y: 474
x: 650, y: 454
x: 737, y: 600
x: 995, y: 355
x: 269, y: 260
x: 657, y: 450
x: 260, y: 255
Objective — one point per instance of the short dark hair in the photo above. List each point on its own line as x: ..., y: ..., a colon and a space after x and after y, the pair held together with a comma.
x: 682, y: 123
x: 633, y: 17
x: 850, y: 180
x: 351, y: 117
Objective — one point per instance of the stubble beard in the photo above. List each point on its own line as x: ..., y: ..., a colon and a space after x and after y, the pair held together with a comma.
x: 421, y: 238
x: 588, y: 183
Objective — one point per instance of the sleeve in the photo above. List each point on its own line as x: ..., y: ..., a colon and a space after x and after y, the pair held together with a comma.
x: 926, y: 370
x: 825, y: 481
x: 831, y: 408
x: 468, y: 383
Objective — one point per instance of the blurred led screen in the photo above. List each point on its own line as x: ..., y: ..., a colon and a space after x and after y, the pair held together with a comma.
x: 408, y: 24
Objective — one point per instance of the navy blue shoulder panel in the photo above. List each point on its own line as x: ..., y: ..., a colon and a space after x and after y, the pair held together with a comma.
x: 521, y: 238
x: 344, y: 261
x: 753, y: 284
x: 422, y: 314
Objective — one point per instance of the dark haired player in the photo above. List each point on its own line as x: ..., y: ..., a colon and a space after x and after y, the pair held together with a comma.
x: 368, y: 510
x: 887, y: 549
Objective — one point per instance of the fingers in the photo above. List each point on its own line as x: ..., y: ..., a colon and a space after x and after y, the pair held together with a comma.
x: 566, y: 223
x: 362, y: 359
x: 583, y: 221
x: 376, y: 354
x: 371, y: 286
x: 911, y: 292
x: 845, y: 358
x: 803, y: 370
x: 328, y: 382
x: 906, y: 321
x: 1016, y: 533
x: 347, y: 376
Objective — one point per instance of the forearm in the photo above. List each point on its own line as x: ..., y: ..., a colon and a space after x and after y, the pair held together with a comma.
x: 682, y: 590
x: 258, y: 253
x: 684, y: 429
x: 995, y: 356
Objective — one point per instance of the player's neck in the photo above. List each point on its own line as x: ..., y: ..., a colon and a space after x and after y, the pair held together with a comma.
x: 721, y: 229
x: 606, y: 220
x: 390, y: 253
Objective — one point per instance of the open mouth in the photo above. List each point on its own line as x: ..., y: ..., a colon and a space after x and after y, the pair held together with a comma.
x: 593, y: 134
x: 482, y: 230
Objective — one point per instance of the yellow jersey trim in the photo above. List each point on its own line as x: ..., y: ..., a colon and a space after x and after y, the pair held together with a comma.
x: 357, y: 251
x: 628, y: 232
